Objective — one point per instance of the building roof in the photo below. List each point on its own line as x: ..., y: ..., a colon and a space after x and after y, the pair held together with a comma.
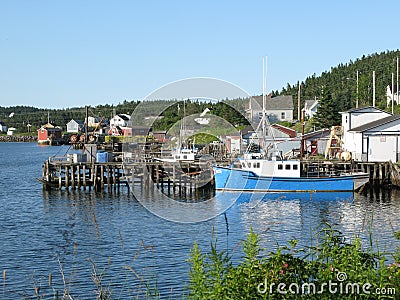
x: 275, y: 103
x: 77, y: 121
x: 124, y: 117
x: 376, y: 123
x: 321, y: 133
x: 365, y: 109
x: 309, y: 104
x: 289, y: 131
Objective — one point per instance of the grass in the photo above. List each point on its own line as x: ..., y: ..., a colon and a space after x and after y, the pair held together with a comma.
x: 333, y: 269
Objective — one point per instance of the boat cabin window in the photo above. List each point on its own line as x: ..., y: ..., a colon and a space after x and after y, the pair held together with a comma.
x: 249, y: 165
x: 243, y: 165
x: 280, y: 167
x: 185, y: 157
x: 287, y: 167
x: 256, y: 165
x: 295, y: 167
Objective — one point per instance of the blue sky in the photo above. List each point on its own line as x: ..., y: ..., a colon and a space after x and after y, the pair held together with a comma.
x: 56, y: 54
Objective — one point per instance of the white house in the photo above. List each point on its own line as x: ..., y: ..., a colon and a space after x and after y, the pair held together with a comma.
x: 121, y: 120
x: 380, y: 139
x: 75, y: 126
x: 93, y: 121
x: 3, y: 127
x: 310, y: 108
x: 371, y: 134
x: 279, y: 108
x: 11, y: 130
x: 390, y: 96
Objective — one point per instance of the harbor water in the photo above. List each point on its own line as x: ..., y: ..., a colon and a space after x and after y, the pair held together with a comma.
x: 56, y: 240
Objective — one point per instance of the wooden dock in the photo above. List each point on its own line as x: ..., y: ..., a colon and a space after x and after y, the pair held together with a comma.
x: 112, y: 175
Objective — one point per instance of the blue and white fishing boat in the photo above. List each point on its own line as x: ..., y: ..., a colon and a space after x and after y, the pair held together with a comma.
x: 268, y: 171
x: 258, y: 174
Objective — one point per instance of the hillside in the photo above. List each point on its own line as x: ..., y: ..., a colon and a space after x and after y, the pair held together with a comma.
x: 338, y: 86
x: 340, y: 82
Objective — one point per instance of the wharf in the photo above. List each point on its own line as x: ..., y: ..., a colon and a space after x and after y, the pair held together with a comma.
x: 111, y: 175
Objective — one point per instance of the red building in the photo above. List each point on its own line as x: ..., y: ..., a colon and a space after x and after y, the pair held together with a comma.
x: 49, y: 133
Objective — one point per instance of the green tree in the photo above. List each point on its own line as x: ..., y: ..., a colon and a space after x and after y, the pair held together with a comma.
x: 328, y: 112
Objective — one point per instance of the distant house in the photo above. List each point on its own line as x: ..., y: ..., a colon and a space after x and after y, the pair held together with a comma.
x: 137, y: 131
x: 310, y: 108
x: 279, y: 108
x: 160, y: 135
x: 391, y: 96
x: 48, y: 132
x: 93, y: 121
x: 121, y: 120
x: 10, y: 131
x: 3, y: 127
x: 74, y: 126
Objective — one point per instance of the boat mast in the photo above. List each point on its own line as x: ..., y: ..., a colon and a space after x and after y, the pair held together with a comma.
x: 264, y: 113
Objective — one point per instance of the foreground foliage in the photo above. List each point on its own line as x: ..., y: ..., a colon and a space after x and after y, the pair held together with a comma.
x: 333, y: 269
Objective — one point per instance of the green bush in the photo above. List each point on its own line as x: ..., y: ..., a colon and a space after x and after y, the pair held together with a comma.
x: 332, y: 269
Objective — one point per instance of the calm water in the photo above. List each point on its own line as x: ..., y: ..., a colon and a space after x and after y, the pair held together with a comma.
x: 58, y: 232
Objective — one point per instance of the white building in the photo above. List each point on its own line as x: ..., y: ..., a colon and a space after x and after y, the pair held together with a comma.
x: 310, y: 108
x: 390, y: 96
x: 93, y: 121
x: 279, y: 108
x: 74, y: 126
x: 3, y: 127
x: 121, y: 120
x: 11, y: 130
x: 371, y: 134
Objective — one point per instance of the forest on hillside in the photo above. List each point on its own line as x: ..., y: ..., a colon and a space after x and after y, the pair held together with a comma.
x: 336, y: 90
x: 338, y: 86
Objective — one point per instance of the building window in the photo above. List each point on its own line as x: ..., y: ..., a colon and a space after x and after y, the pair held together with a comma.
x: 283, y: 115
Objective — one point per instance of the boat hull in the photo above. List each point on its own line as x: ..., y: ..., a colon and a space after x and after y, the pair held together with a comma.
x: 233, y: 179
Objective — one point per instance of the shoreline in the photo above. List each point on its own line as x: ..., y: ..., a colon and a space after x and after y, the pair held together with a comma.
x: 17, y: 139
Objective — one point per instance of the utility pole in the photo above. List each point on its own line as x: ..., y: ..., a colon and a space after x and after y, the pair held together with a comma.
x: 86, y: 122
x: 373, y: 88
x: 397, y: 92
x: 357, y: 89
x: 298, y: 104
x: 392, y: 92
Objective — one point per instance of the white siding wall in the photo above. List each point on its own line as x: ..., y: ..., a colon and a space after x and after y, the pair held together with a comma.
x: 382, y: 148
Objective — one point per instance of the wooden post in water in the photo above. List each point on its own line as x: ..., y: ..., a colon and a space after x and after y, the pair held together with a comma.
x: 60, y: 177
x: 114, y: 177
x: 84, y: 176
x: 79, y: 175
x: 66, y: 177
x: 133, y: 177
